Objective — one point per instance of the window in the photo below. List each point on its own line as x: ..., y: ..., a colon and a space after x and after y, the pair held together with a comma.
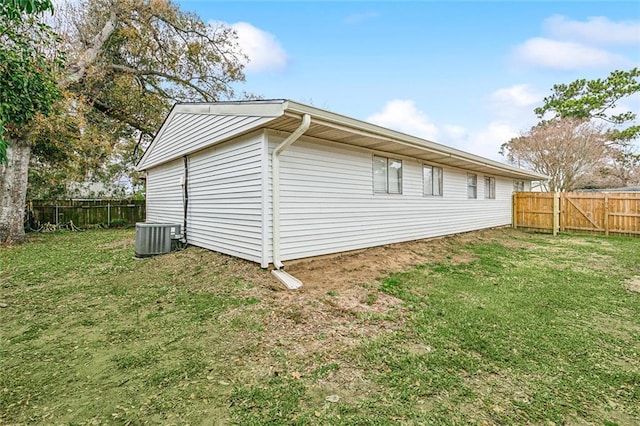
x: 432, y: 177
x: 518, y: 186
x: 387, y: 175
x: 489, y: 187
x: 472, y: 185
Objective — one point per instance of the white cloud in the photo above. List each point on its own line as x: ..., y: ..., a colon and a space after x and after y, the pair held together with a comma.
x: 263, y: 49
x: 487, y: 142
x: 565, y: 55
x: 519, y: 95
x: 403, y: 115
x: 511, y: 111
x: 596, y: 30
x: 515, y: 104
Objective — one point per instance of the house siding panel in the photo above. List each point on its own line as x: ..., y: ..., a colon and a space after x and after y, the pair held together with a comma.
x: 225, y: 198
x: 188, y: 132
x: 328, y: 204
x: 164, y: 193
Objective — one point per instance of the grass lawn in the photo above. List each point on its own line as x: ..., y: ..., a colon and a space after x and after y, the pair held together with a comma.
x: 500, y: 327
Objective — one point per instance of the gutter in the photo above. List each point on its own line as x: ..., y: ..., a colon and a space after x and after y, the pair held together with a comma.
x: 353, y: 125
x: 275, y: 190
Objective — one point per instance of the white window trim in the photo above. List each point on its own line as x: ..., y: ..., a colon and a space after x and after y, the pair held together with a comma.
x: 491, y: 195
x: 386, y: 192
x: 432, y: 167
x: 475, y: 197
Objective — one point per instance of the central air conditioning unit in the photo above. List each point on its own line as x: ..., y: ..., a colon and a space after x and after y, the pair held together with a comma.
x: 156, y: 238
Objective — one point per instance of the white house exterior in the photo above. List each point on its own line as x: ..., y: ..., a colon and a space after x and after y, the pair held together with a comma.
x: 276, y: 180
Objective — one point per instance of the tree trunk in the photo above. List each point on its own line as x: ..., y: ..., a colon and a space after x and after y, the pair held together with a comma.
x: 13, y: 192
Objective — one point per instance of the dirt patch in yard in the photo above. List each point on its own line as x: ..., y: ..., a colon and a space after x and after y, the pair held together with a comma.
x: 340, y: 303
x: 337, y: 307
x: 128, y: 242
x: 633, y: 284
x: 360, y: 267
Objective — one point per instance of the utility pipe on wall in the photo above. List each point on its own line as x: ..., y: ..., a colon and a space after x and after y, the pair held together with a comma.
x: 185, y: 198
x: 275, y: 190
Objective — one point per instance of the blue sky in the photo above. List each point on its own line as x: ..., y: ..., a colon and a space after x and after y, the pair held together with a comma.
x: 466, y: 74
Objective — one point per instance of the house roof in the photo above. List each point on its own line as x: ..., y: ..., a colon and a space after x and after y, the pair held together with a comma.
x: 191, y: 127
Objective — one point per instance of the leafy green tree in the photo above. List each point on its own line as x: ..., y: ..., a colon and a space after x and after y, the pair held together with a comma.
x: 151, y: 55
x: 128, y: 61
x: 598, y: 99
x: 28, y: 88
x: 14, y: 9
x: 27, y: 78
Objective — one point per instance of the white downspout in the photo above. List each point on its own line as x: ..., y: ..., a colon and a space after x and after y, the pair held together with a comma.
x: 275, y: 191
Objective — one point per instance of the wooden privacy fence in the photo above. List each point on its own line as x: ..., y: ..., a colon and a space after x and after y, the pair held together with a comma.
x: 593, y: 212
x: 85, y: 212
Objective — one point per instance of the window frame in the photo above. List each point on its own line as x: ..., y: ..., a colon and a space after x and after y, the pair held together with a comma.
x: 474, y: 186
x: 517, y: 184
x: 388, y: 180
x: 491, y: 194
x: 440, y: 182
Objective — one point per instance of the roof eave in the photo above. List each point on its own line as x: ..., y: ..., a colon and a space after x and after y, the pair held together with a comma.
x: 275, y: 108
x: 267, y: 108
x: 393, y: 135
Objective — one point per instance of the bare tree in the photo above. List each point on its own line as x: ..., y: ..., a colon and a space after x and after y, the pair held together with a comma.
x: 566, y: 150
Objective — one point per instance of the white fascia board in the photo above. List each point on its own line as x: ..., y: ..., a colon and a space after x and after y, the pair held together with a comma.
x: 272, y: 108
x: 140, y: 165
x: 394, y: 136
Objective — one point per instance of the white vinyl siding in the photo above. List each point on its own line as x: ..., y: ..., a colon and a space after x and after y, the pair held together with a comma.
x: 331, y: 200
x: 187, y: 133
x: 225, y: 198
x: 164, y: 193
x: 332, y: 209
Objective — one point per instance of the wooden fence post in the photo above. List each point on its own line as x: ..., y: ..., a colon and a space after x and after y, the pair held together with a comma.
x: 514, y: 211
x: 606, y: 213
x: 563, y: 211
x: 556, y: 213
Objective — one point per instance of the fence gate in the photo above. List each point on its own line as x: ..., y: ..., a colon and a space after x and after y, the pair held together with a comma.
x: 594, y: 212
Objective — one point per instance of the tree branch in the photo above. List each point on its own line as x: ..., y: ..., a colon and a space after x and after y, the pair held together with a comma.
x: 89, y: 56
x: 170, y: 77
x: 112, y: 112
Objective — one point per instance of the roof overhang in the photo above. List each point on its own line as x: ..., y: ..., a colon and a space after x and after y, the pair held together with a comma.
x: 285, y: 116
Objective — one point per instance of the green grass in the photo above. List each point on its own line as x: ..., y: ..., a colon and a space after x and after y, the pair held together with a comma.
x: 93, y: 335
x: 532, y: 330
x: 520, y: 336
